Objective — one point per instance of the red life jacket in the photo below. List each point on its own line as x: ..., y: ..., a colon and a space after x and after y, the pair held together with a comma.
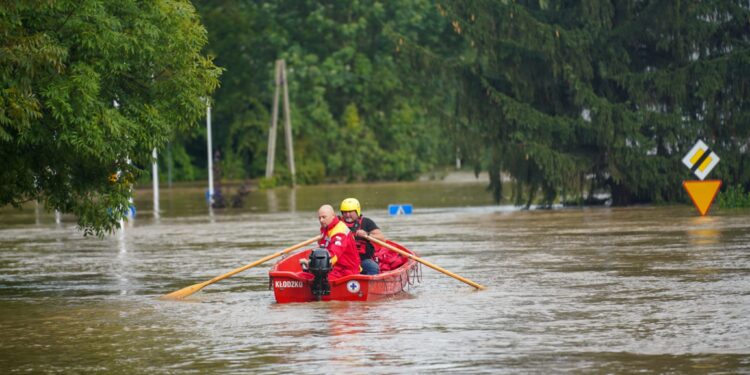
x: 388, y: 259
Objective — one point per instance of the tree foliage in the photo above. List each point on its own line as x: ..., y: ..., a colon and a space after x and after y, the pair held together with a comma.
x: 562, y: 97
x: 597, y: 94
x: 89, y: 88
x: 354, y: 116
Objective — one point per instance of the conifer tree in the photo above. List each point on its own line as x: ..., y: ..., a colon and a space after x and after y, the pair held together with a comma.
x: 600, y: 94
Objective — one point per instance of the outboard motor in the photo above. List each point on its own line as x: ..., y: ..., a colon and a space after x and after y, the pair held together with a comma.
x: 320, y: 266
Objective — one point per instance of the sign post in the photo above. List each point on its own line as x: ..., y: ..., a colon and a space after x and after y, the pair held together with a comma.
x: 210, y: 192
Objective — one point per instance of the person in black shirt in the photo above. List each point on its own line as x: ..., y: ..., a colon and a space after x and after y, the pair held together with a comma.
x: 361, y: 227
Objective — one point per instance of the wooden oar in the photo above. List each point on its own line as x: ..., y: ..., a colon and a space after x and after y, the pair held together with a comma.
x: 426, y: 263
x: 184, y: 292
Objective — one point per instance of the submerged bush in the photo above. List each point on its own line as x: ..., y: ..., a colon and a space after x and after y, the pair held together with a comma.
x: 734, y: 197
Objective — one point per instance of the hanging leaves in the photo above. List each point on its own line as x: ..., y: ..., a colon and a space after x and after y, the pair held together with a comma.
x: 89, y: 89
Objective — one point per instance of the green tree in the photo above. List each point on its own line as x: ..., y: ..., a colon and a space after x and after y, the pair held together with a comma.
x: 354, y: 114
x: 596, y: 94
x: 680, y: 66
x: 89, y: 88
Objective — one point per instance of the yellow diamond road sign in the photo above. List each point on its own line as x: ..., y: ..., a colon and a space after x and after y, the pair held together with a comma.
x: 701, y: 160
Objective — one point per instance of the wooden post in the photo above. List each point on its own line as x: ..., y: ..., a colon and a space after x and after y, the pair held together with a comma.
x: 274, y: 121
x: 280, y: 79
x: 288, y: 125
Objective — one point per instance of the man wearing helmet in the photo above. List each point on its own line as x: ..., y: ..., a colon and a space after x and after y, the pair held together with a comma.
x: 361, y: 227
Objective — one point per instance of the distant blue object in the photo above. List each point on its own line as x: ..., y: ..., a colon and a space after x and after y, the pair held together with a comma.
x: 208, y: 196
x: 400, y: 209
x: 129, y: 213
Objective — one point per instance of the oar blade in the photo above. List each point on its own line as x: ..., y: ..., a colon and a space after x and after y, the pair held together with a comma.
x: 184, y: 292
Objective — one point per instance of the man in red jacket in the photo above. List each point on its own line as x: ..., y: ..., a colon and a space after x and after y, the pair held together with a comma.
x: 340, y: 242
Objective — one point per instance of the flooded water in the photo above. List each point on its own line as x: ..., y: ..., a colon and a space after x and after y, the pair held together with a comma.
x: 596, y: 290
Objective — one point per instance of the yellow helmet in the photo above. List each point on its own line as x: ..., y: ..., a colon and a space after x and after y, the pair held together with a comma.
x: 351, y: 204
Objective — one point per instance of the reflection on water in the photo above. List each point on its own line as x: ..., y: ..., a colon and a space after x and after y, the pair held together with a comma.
x: 602, y: 290
x: 273, y: 201
x: 704, y: 230
x: 293, y: 200
x: 121, y: 265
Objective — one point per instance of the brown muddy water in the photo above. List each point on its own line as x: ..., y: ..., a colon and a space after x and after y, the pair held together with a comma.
x: 569, y: 290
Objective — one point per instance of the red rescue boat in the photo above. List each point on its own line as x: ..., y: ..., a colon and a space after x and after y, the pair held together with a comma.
x: 291, y: 284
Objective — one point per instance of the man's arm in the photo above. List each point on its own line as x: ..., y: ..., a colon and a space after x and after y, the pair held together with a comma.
x: 378, y: 234
x: 336, y: 246
x: 370, y: 228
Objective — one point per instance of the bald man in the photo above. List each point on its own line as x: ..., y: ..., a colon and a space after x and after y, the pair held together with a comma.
x: 339, y: 241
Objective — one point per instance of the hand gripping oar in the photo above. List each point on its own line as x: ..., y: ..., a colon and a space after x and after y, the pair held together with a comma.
x: 426, y: 263
x: 184, y: 292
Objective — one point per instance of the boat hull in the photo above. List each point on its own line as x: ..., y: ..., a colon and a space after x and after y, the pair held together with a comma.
x: 290, y: 284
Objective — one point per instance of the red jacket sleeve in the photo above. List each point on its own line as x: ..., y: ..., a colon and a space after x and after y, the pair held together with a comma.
x: 347, y: 258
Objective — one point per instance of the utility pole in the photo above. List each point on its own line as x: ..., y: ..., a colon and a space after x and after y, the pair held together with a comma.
x: 281, y: 82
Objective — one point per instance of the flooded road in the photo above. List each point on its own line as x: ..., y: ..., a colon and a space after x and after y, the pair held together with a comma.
x: 596, y: 290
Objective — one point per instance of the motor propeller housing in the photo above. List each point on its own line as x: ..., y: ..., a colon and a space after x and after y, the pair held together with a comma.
x: 320, y: 266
